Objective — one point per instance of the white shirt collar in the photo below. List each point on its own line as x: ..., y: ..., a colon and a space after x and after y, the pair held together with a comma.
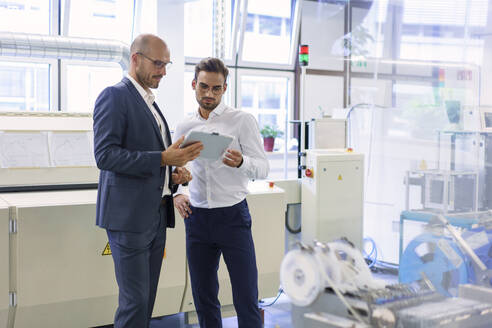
x: 148, y: 96
x: 219, y: 109
x: 216, y: 112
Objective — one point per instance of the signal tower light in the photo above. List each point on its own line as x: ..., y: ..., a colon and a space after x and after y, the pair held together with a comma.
x: 303, y: 55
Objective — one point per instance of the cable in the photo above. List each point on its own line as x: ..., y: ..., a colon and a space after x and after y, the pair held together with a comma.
x: 280, y: 291
x: 372, y: 257
x: 289, y: 228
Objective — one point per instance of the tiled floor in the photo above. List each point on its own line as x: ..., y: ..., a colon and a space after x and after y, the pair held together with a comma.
x: 276, y: 316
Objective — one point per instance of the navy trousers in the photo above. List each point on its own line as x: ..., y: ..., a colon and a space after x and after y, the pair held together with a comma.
x: 137, y: 262
x: 226, y: 231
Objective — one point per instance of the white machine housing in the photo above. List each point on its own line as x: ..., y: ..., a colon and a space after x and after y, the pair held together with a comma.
x: 332, y: 197
x: 54, y: 268
x: 4, y: 263
x: 327, y: 133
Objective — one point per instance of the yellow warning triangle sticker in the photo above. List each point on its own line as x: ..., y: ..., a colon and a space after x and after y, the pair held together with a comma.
x: 107, y: 250
x: 340, y: 177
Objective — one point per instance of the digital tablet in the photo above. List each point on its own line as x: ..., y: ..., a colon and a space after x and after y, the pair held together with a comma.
x: 214, y: 144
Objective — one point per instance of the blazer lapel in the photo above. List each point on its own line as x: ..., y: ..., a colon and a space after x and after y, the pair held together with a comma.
x: 145, y: 108
x: 168, y: 141
x: 168, y: 132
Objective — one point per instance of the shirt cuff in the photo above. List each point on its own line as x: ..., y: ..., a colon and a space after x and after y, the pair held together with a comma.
x: 182, y: 190
x: 245, y: 166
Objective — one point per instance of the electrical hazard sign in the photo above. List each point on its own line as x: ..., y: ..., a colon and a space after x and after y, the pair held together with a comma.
x: 107, y: 250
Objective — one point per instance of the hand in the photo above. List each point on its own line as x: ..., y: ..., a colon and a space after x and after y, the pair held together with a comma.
x: 175, y: 156
x: 182, y: 203
x: 233, y: 158
x: 181, y: 175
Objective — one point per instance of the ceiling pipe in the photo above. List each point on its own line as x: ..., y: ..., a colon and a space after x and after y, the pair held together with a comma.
x: 62, y: 47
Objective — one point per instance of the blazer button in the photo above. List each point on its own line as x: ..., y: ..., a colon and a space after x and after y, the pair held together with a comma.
x: 161, y: 187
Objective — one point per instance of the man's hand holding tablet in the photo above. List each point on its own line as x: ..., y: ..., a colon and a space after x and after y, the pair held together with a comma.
x: 214, y: 144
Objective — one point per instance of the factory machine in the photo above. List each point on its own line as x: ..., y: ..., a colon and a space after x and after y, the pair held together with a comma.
x: 453, y: 250
x: 453, y: 206
x: 56, y: 268
x: 332, y: 195
x: 327, y: 133
x: 330, y: 285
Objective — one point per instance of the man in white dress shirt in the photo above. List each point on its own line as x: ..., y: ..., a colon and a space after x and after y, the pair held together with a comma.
x: 216, y: 213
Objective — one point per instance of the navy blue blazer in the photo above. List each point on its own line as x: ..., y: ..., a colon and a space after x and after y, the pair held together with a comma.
x: 127, y: 147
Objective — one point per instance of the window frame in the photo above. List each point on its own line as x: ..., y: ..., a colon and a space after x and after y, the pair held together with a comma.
x: 52, y: 71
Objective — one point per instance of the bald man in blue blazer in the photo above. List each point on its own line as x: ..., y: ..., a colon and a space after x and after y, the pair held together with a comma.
x: 133, y: 150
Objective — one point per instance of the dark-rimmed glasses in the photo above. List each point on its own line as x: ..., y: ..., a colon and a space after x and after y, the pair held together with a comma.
x: 216, y: 90
x: 159, y: 64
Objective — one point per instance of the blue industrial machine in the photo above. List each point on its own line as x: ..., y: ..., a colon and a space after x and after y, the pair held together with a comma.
x: 448, y: 257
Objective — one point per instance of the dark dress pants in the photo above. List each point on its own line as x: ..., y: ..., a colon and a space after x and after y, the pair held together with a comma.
x: 137, y: 262
x: 226, y: 231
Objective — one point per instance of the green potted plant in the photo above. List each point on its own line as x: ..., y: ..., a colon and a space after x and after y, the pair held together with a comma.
x: 269, y: 133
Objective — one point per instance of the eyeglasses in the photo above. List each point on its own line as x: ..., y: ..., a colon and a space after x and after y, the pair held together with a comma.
x: 216, y: 90
x: 159, y: 64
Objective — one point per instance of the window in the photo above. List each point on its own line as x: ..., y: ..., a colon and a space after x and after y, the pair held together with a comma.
x: 267, y: 37
x: 270, y: 25
x: 102, y: 19
x: 33, y: 84
x: 269, y: 99
x: 198, y: 28
x: 202, y: 27
x: 36, y: 12
x: 24, y: 86
x: 432, y: 30
x: 444, y: 12
x: 265, y: 94
x: 250, y: 23
x: 84, y: 83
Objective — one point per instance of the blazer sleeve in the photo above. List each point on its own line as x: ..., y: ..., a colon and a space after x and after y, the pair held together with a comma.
x: 110, y: 124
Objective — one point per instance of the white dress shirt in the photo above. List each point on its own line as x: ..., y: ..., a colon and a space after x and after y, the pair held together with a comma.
x: 215, y: 184
x: 149, y: 98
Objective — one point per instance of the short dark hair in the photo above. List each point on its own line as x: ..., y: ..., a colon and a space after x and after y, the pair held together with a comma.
x: 211, y: 64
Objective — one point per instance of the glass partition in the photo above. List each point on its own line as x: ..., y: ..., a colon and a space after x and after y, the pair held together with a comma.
x: 415, y: 79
